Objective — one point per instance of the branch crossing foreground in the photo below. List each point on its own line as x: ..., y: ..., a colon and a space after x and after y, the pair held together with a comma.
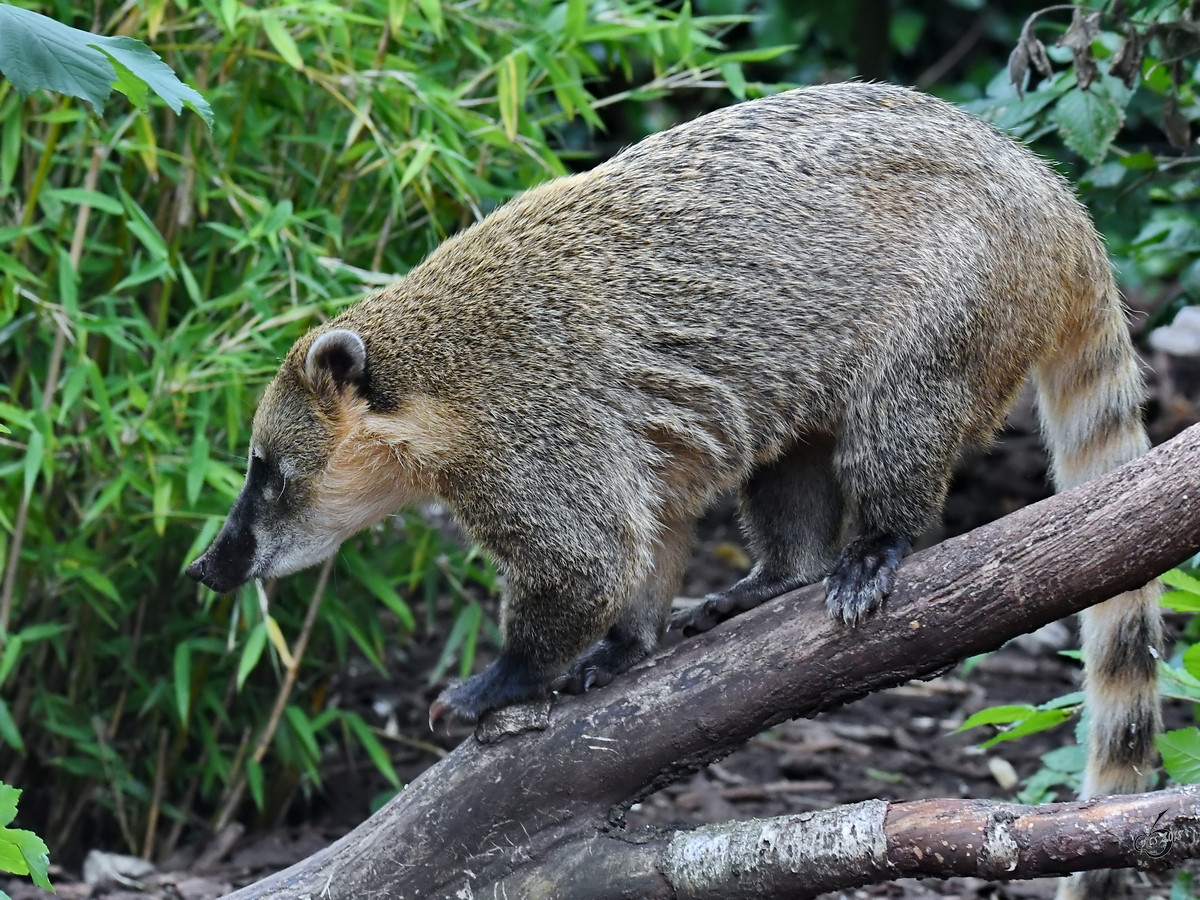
x: 533, y: 805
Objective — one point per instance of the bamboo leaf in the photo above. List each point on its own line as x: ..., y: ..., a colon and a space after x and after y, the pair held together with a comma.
x: 183, y: 679
x: 252, y: 652
x: 282, y: 41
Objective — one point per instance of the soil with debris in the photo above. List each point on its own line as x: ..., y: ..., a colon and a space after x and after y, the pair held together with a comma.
x: 898, y: 744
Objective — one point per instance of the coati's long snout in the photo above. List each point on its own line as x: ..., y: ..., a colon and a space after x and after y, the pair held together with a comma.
x: 228, y: 563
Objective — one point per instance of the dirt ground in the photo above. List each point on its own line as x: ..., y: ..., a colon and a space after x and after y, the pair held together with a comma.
x: 898, y: 744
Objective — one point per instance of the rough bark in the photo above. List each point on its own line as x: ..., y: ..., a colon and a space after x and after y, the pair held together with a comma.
x: 806, y: 854
x: 546, y: 779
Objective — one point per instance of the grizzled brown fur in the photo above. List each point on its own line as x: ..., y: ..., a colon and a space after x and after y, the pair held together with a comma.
x: 816, y: 298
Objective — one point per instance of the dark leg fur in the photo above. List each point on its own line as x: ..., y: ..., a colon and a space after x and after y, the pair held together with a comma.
x: 792, y: 513
x: 864, y: 576
x: 510, y: 679
x: 893, y: 460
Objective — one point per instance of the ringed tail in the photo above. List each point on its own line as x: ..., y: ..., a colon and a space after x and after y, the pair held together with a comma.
x: 1089, y: 399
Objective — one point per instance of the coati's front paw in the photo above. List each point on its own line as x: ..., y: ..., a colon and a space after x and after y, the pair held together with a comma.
x: 504, y: 682
x: 865, y: 574
x: 751, y: 591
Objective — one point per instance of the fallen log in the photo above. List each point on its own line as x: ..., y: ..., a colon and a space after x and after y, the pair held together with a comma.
x: 806, y: 854
x: 539, y: 779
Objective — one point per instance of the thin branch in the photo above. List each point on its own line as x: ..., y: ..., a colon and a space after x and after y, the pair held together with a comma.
x: 234, y: 799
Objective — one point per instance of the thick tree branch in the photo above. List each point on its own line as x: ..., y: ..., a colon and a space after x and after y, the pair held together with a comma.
x: 540, y: 778
x: 806, y: 854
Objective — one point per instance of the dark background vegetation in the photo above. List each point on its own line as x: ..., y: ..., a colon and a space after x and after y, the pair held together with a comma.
x: 152, y: 273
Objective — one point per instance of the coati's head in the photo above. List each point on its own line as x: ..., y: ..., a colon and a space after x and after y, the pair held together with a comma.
x: 322, y: 466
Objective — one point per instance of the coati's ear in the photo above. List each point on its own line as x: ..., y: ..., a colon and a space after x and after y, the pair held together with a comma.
x: 340, y: 354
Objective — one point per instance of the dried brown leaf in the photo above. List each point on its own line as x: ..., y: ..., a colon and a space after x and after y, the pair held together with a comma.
x: 1082, y: 32
x: 1127, y: 61
x: 1018, y: 67
x: 1037, y: 54
x: 1176, y: 125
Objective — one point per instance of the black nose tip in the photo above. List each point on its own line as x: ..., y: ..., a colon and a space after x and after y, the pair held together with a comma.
x: 196, y: 570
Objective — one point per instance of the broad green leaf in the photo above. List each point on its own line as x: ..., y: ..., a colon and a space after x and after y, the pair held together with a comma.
x: 183, y: 679
x: 107, y: 496
x: 9, y: 796
x: 1180, y: 751
x: 144, y: 229
x: 100, y: 582
x: 11, y: 858
x: 1075, y: 698
x: 282, y: 41
x: 143, y: 63
x: 35, y: 853
x: 1191, y: 660
x: 1088, y: 123
x: 252, y: 652
x: 1181, y: 601
x: 1181, y: 580
x: 38, y: 52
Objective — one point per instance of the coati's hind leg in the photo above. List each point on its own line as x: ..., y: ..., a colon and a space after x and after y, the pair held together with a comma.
x: 893, y: 460
x: 641, y: 623
x: 793, y: 515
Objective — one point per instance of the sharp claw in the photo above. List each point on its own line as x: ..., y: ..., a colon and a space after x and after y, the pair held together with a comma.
x: 589, y: 679
x: 436, y: 711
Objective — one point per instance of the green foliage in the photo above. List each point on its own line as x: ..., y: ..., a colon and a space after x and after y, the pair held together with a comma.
x: 153, y: 272
x: 38, y: 52
x: 1022, y: 720
x: 21, y: 852
x: 1119, y: 91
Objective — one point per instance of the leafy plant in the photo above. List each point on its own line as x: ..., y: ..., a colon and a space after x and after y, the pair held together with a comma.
x: 152, y: 272
x: 21, y: 852
x: 38, y: 52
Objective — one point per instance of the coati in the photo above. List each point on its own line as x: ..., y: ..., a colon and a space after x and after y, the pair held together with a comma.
x: 818, y: 298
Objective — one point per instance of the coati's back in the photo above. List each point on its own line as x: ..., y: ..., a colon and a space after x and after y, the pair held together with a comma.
x: 817, y: 298
x: 758, y: 263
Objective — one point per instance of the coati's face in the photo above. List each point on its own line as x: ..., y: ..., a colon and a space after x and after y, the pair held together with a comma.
x: 322, y: 467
